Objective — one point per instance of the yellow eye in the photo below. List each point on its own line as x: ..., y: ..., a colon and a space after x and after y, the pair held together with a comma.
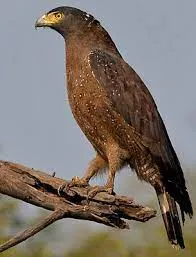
x: 58, y: 15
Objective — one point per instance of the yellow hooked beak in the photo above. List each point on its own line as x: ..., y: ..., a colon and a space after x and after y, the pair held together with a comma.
x: 42, y: 22
x: 48, y: 20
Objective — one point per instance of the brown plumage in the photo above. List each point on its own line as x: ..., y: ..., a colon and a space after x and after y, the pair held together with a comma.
x: 118, y: 115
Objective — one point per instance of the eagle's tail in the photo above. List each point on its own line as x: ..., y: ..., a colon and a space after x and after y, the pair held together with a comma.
x: 171, y: 219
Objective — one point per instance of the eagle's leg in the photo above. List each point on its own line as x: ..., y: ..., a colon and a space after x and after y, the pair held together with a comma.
x: 115, y: 162
x: 97, y: 164
x: 108, y: 188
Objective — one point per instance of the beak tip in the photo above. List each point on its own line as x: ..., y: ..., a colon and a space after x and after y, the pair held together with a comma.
x: 40, y: 22
x: 37, y: 24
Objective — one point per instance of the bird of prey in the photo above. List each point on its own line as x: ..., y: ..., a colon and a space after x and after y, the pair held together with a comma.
x: 118, y: 115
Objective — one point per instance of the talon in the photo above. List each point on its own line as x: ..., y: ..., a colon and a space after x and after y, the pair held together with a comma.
x: 61, y: 188
x: 75, y: 181
x: 98, y: 189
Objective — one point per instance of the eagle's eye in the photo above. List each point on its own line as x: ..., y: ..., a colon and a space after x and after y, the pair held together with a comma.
x: 58, y: 15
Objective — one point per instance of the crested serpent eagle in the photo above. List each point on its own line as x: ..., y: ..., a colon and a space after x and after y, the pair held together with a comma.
x: 118, y: 115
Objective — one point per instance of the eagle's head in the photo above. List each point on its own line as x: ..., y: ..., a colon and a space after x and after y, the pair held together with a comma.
x: 67, y: 20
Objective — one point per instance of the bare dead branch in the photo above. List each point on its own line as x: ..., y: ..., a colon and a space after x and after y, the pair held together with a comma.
x: 40, y: 189
x: 20, y: 237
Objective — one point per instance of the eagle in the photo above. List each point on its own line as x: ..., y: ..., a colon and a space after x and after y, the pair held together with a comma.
x: 118, y: 115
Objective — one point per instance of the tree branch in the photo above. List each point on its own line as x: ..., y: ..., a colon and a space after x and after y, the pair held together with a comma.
x: 20, y: 237
x: 37, y: 188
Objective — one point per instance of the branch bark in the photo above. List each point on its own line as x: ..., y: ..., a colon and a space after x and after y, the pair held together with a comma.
x: 40, y: 189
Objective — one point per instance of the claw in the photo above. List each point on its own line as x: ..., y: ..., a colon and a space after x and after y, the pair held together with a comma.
x: 76, y: 181
x: 98, y: 189
x: 61, y: 188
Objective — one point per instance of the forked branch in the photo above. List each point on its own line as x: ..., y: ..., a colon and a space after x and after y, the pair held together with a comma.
x: 40, y: 189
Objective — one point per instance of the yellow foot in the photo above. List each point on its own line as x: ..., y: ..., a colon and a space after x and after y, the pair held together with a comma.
x: 98, y: 189
x: 76, y: 181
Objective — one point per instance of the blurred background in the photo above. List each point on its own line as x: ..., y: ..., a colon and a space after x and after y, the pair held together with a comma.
x: 157, y: 38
